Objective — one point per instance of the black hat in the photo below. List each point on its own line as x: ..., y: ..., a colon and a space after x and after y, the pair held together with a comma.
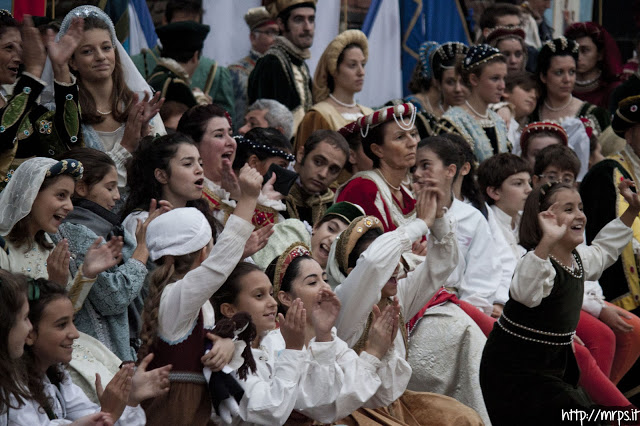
x: 185, y: 36
x: 627, y: 115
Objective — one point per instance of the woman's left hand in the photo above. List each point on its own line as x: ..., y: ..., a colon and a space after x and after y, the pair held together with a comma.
x: 113, y: 399
x: 148, y: 384
x: 269, y: 192
x: 61, y: 51
x: 220, y: 354
x: 630, y: 197
x: 324, y: 313
x: 150, y: 107
x: 99, y: 257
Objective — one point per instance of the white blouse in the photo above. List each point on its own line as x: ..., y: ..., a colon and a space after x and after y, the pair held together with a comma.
x: 602, y: 253
x: 359, y: 291
x: 69, y: 404
x: 182, y: 300
x: 477, y: 276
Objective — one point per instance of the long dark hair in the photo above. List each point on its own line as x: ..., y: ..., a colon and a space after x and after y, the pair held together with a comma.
x: 539, y: 200
x: 48, y: 291
x: 228, y: 292
x: 470, y: 189
x: 13, y: 294
x: 170, y: 269
x: 194, y: 122
x: 121, y: 96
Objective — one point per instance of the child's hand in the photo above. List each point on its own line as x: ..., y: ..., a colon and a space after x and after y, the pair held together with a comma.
x: 383, y: 330
x: 113, y: 399
x: 99, y: 257
x: 58, y: 263
x: 551, y: 230
x: 148, y: 384
x: 292, y: 327
x: 497, y: 310
x: 95, y: 419
x: 250, y: 181
x: 324, y: 313
x: 220, y: 354
x: 141, y: 253
x: 612, y: 316
x: 258, y: 239
x: 629, y: 196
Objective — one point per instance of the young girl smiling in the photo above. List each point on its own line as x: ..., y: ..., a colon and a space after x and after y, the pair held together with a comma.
x: 538, y: 323
x: 105, y: 313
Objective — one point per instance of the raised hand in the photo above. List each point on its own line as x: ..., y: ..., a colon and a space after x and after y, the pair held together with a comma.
x: 324, y: 313
x: 220, y: 354
x: 141, y: 252
x: 33, y: 53
x: 229, y: 180
x: 258, y: 239
x: 101, y: 257
x: 114, y: 398
x: 383, y: 330
x: 292, y: 327
x: 61, y: 51
x: 148, y: 384
x: 150, y: 107
x: 133, y: 127
x: 428, y: 205
x: 552, y: 231
x: 250, y: 181
x: 58, y: 263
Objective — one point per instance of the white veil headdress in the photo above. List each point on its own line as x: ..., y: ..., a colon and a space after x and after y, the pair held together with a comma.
x: 18, y: 196
x: 132, y: 76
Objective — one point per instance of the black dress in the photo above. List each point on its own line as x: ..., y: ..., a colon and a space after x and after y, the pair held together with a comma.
x: 528, y: 371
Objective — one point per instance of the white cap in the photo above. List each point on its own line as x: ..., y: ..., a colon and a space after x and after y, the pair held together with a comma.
x: 178, y: 232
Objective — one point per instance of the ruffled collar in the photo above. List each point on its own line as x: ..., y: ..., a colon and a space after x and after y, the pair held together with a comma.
x: 173, y: 66
x: 293, y: 50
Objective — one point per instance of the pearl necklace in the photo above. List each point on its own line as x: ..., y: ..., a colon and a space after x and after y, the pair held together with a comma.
x: 589, y: 82
x: 484, y: 116
x: 571, y: 271
x: 395, y: 188
x: 550, y: 108
x: 103, y: 113
x: 342, y: 103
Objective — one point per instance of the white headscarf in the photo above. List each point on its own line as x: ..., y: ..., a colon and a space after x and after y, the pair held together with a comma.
x: 18, y: 196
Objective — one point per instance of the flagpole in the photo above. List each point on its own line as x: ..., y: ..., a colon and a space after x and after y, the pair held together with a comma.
x: 53, y: 9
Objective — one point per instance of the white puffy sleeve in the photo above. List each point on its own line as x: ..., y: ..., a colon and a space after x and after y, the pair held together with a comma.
x: 358, y: 382
x: 181, y: 301
x: 394, y: 373
x: 442, y: 258
x: 361, y: 289
x: 270, y: 394
x: 604, y: 249
x: 532, y: 280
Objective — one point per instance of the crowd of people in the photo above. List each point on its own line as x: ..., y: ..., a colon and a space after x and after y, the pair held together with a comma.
x: 187, y: 243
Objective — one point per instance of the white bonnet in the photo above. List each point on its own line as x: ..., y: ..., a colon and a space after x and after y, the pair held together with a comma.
x: 178, y: 232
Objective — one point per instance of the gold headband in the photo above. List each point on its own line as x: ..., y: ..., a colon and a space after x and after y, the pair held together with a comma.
x: 294, y: 251
x: 350, y: 236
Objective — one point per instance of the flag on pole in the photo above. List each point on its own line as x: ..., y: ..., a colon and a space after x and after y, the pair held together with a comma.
x: 142, y: 32
x: 429, y: 20
x: 383, y: 80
